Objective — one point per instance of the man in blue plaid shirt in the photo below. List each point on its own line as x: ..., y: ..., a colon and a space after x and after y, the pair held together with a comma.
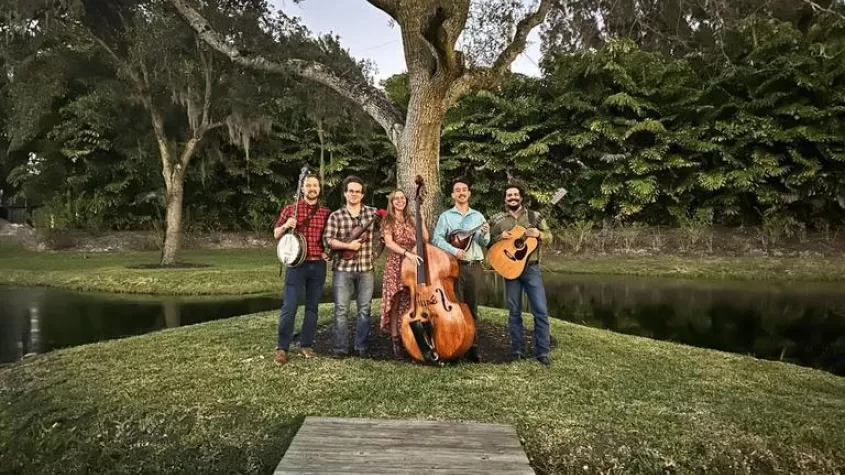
x: 354, y: 276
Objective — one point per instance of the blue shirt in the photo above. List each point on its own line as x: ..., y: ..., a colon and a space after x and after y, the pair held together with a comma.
x: 452, y: 220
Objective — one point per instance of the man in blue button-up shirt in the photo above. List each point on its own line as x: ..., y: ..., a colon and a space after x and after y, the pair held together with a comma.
x: 462, y: 217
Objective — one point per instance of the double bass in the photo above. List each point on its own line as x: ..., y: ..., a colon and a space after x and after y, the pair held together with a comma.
x: 435, y: 327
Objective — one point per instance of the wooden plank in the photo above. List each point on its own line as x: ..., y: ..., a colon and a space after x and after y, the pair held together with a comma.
x: 326, y: 445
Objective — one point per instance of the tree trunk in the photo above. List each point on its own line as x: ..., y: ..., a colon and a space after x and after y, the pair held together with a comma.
x: 419, y: 149
x: 174, y: 194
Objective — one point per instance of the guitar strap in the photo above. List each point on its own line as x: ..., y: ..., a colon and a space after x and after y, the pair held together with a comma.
x: 310, y: 215
x: 534, y: 218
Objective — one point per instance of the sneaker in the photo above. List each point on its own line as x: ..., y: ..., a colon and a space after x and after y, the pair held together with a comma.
x: 308, y: 353
x: 281, y: 357
x: 544, y: 360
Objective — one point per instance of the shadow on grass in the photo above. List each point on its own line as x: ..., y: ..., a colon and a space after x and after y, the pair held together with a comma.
x: 284, y: 433
x: 493, y: 342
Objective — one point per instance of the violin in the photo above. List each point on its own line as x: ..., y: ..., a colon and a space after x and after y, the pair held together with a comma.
x: 357, y: 233
x: 435, y: 327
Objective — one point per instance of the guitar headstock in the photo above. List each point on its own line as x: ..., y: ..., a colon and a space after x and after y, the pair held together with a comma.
x: 559, y: 194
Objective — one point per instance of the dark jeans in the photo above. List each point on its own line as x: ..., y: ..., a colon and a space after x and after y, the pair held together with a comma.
x: 308, y: 279
x: 531, y: 281
x: 466, y: 290
x: 344, y: 286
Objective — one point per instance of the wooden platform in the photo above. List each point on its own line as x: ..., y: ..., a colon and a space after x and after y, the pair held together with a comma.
x: 326, y: 445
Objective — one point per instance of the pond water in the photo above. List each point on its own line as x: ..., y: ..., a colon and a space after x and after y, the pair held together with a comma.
x: 803, y: 323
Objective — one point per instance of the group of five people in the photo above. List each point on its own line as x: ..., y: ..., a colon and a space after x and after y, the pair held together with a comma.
x: 327, y: 234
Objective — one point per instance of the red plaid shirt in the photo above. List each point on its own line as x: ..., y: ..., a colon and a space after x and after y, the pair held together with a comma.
x: 313, y: 232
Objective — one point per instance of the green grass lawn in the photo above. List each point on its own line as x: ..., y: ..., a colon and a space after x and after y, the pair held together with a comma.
x: 251, y: 271
x: 208, y: 399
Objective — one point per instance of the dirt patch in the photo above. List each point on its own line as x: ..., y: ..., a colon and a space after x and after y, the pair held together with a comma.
x: 493, y: 342
x: 183, y: 265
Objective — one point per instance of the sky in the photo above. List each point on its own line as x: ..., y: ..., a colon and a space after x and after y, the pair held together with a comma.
x: 365, y: 31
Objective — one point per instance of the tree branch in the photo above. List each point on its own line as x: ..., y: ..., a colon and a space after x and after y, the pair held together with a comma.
x: 387, y: 6
x: 520, y: 37
x: 372, y: 100
x: 488, y: 77
x: 816, y: 7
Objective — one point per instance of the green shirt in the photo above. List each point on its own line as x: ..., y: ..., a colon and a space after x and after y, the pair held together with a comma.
x: 508, y: 222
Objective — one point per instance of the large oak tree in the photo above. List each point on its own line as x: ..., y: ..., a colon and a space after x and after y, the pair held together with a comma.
x: 440, y: 72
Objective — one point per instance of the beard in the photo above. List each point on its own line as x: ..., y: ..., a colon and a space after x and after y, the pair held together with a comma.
x: 512, y: 206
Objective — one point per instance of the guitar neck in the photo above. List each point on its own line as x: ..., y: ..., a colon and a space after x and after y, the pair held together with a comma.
x: 543, y: 213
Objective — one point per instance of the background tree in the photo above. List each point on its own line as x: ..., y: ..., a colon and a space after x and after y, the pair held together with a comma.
x: 183, y: 89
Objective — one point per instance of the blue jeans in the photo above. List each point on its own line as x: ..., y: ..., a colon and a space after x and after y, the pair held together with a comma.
x: 532, y: 283
x: 344, y: 286
x: 308, y: 279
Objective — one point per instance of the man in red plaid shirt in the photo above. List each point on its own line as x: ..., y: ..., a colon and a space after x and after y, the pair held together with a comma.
x: 310, y: 276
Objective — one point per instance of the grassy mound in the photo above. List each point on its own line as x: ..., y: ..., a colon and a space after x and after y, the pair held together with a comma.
x: 208, y: 399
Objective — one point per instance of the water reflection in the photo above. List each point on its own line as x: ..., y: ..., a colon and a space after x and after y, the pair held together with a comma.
x: 801, y: 323
x: 36, y: 320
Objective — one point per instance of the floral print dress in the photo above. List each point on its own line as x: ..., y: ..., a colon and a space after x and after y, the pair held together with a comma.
x: 395, y: 297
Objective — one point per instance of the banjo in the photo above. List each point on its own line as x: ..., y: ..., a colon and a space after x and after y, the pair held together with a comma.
x: 292, y: 248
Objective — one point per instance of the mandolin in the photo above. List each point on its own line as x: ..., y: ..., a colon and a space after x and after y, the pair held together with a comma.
x: 462, y: 238
x: 509, y: 256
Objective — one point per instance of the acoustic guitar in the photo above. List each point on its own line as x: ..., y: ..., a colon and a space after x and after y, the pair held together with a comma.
x: 509, y: 256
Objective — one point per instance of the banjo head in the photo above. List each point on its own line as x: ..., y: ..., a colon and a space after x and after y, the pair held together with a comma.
x: 290, y: 250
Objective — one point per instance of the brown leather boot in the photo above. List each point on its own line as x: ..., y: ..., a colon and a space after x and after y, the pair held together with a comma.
x: 281, y: 357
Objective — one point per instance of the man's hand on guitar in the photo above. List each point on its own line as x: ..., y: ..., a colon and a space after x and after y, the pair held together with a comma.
x: 505, y: 235
x: 354, y: 245
x: 290, y: 223
x: 532, y: 232
x: 461, y: 255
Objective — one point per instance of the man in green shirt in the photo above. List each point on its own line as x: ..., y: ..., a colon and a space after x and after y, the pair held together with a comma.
x: 530, y: 280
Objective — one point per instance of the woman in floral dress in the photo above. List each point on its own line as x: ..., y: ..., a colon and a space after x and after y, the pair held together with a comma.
x: 399, y: 231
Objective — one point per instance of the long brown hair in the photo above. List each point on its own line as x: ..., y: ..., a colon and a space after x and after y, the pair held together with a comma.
x: 390, y: 217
